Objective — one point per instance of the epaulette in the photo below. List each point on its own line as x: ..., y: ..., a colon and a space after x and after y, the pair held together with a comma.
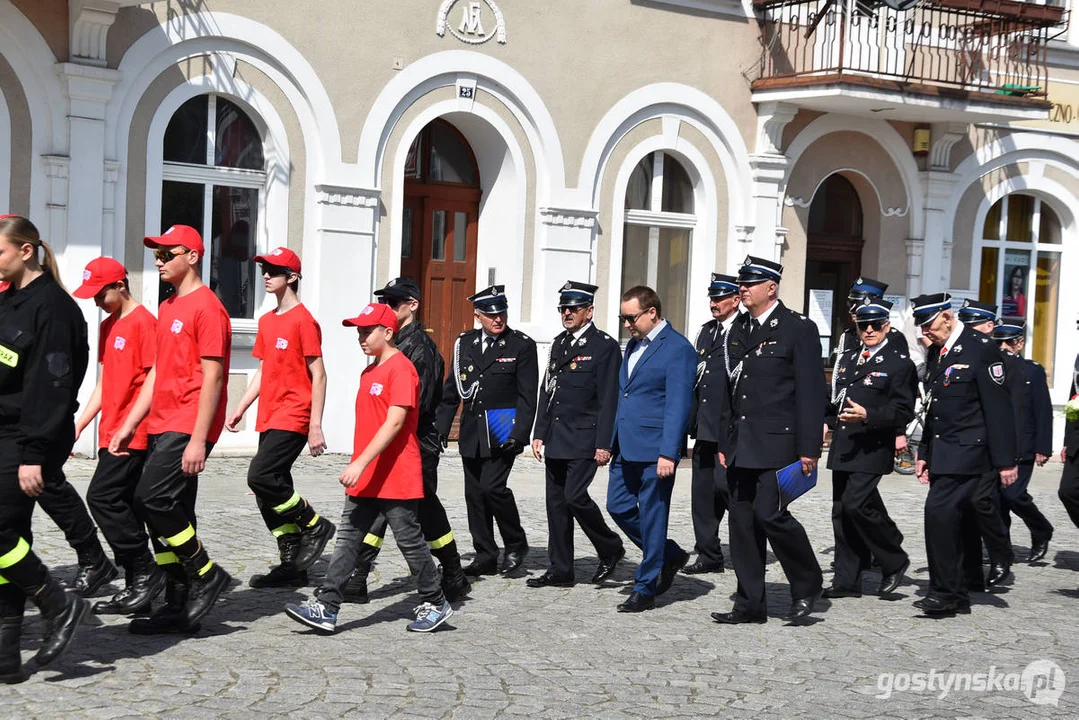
x: 984, y: 340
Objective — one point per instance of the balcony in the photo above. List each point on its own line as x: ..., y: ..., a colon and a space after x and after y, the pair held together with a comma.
x: 940, y: 60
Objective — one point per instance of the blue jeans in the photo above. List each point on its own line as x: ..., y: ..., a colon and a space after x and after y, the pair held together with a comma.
x: 640, y: 502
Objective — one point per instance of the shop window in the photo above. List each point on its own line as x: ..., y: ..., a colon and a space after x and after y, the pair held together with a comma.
x: 1021, y: 272
x: 658, y: 229
x: 213, y: 179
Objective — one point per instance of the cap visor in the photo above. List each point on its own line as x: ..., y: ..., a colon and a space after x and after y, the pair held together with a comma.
x: 85, y: 291
x: 154, y: 241
x: 360, y: 322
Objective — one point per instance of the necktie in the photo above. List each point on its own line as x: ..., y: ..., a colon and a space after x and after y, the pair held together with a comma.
x: 864, y: 357
x: 488, y: 343
x: 754, y: 325
x: 943, y: 352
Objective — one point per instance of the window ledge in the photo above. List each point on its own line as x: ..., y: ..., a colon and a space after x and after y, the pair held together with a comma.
x: 243, y: 333
x: 712, y: 7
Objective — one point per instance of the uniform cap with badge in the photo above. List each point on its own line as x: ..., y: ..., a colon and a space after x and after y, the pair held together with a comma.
x: 926, y: 308
x: 576, y: 294
x: 1010, y: 328
x: 756, y: 270
x: 722, y: 286
x: 863, y: 288
x: 974, y: 312
x: 872, y: 310
x: 490, y: 301
x: 403, y: 288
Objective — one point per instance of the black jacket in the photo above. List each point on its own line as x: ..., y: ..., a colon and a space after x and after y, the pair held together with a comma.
x: 507, y: 378
x: 1037, y: 436
x: 579, y: 395
x: 707, y: 422
x: 885, y: 386
x: 43, y: 357
x: 1071, y: 427
x: 969, y: 428
x: 776, y: 403
x: 418, y: 347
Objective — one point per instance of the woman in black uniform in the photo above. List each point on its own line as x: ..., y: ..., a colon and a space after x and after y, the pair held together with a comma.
x: 43, y: 357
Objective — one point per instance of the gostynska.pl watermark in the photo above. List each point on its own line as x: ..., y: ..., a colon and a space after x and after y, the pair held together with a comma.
x: 1041, y: 682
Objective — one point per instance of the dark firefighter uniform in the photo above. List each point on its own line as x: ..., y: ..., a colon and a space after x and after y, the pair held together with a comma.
x: 1069, y: 478
x: 883, y: 380
x: 494, y: 379
x: 577, y: 404
x: 969, y: 431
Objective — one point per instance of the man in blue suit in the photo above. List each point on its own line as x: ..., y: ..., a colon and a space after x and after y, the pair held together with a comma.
x: 655, y: 396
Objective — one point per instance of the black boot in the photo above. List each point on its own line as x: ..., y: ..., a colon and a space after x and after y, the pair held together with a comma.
x: 145, y: 581
x: 61, y: 613
x: 11, y: 671
x: 313, y: 542
x: 170, y: 618
x: 286, y: 574
x: 455, y: 584
x: 203, y: 588
x: 95, y: 568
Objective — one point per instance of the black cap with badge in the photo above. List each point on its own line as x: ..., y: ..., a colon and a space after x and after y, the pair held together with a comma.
x: 974, y: 312
x: 925, y: 308
x: 722, y: 286
x: 755, y: 270
x: 490, y: 301
x: 576, y: 294
x: 402, y: 287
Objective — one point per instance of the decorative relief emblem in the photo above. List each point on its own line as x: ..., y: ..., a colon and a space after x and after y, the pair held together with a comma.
x: 475, y: 25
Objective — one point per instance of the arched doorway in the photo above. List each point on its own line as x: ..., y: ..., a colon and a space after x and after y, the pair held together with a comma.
x: 439, y: 229
x: 833, y: 257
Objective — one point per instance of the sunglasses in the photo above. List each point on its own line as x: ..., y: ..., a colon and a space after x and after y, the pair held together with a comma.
x: 392, y: 302
x: 631, y: 319
x: 167, y: 254
x: 274, y: 270
x: 563, y: 309
x: 876, y: 325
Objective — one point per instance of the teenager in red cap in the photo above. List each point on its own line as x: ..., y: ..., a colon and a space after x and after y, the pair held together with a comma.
x: 185, y: 397
x: 385, y: 476
x: 126, y: 350
x: 291, y: 385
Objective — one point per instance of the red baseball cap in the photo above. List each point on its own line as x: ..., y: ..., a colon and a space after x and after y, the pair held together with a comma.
x: 281, y: 257
x: 175, y: 236
x: 99, y: 273
x: 372, y: 315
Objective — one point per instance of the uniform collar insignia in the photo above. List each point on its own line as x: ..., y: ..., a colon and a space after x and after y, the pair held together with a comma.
x: 957, y: 349
x: 773, y: 322
x: 879, y: 359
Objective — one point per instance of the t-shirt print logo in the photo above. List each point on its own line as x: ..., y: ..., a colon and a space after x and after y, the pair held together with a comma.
x: 376, y: 388
x: 282, y: 344
x: 119, y: 343
x: 177, y: 326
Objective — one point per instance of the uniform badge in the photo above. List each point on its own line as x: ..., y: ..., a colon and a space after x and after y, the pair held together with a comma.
x: 957, y: 349
x: 501, y: 343
x: 868, y: 381
x: 996, y: 373
x: 573, y: 366
x: 476, y: 341
x: 553, y: 364
x: 463, y: 377
x: 879, y: 359
x: 582, y: 341
x: 773, y: 322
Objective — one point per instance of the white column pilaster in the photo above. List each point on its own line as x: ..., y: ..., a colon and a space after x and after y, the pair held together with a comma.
x: 769, y: 166
x: 565, y: 250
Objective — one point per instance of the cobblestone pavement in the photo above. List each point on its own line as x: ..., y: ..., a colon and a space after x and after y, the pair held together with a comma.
x: 563, y: 653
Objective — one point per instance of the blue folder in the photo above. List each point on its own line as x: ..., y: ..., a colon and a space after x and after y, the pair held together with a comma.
x: 500, y: 424
x: 792, y: 483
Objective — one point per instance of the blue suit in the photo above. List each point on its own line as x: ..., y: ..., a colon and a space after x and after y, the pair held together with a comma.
x: 654, y: 404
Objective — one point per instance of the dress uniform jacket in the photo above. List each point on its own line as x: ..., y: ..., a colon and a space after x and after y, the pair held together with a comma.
x: 1071, y: 427
x: 777, y: 400
x: 1016, y: 382
x: 506, y: 377
x: 707, y: 421
x: 418, y: 347
x: 969, y: 428
x: 885, y: 385
x: 579, y: 395
x: 1037, y: 428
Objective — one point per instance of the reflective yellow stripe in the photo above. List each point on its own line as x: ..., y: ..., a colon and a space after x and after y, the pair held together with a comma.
x: 206, y: 568
x: 441, y: 542
x: 22, y: 549
x: 3, y: 580
x: 372, y: 540
x: 286, y: 529
x: 313, y: 521
x: 167, y: 558
x: 288, y: 504
x: 181, y: 537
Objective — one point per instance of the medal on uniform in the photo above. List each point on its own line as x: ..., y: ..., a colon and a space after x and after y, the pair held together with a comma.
x: 463, y: 377
x: 948, y: 375
x: 868, y: 381
x: 573, y: 366
x: 470, y: 368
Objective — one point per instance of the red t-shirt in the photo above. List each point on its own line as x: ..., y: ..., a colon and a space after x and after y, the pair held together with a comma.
x: 396, y: 473
x: 189, y: 328
x: 126, y: 353
x: 283, y: 344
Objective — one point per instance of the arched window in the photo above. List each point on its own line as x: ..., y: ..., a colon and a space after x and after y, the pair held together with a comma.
x: 1020, y: 252
x: 213, y: 176
x: 659, y: 224
x: 439, y: 154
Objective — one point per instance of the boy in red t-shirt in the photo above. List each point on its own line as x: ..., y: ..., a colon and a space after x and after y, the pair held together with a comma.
x: 291, y: 382
x: 385, y: 476
x: 126, y: 353
x: 184, y: 397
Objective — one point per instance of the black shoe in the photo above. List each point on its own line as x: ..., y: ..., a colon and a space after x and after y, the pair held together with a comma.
x: 801, y: 608
x: 738, y: 617
x: 636, y: 603
x: 147, y: 581
x: 95, y: 570
x: 477, y: 568
x: 170, y: 618
x: 61, y: 613
x: 1038, y: 549
x: 286, y: 574
x: 455, y: 584
x: 607, y: 566
x: 313, y: 542
x: 356, y: 589
x: 889, y: 582
x: 700, y: 567
x: 836, y: 592
x: 933, y: 605
x: 548, y: 580
x: 11, y: 670
x: 203, y: 591
x: 998, y: 573
x: 512, y: 561
x: 670, y: 570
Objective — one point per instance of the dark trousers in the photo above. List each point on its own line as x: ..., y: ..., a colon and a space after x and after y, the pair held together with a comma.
x: 111, y: 497
x: 1069, y: 488
x: 488, y: 498
x: 432, y: 516
x: 640, y: 503
x: 1016, y: 499
x: 568, y: 500
x: 757, y: 514
x: 863, y: 529
x: 59, y: 499
x: 21, y: 572
x: 270, y: 477
x: 951, y: 535
x: 986, y: 506
x: 356, y: 519
x: 710, y: 497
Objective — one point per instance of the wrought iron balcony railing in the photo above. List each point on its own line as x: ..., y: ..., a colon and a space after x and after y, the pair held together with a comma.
x: 994, y: 47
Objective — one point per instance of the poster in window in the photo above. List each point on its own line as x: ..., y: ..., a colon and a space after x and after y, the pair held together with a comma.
x: 1016, y: 272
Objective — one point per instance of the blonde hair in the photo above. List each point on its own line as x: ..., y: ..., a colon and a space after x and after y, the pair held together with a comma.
x: 21, y: 231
